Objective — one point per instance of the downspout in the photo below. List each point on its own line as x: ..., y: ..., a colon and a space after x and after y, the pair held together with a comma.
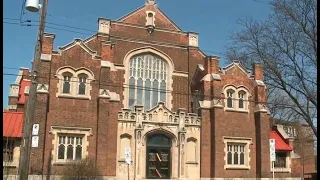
x: 98, y: 107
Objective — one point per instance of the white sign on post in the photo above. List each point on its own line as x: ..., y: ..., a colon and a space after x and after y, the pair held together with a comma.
x: 272, y: 149
x: 35, y: 141
x: 127, y: 154
x: 35, y: 129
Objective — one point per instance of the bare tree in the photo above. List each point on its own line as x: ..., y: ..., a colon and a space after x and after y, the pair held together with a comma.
x: 286, y: 46
x: 84, y: 169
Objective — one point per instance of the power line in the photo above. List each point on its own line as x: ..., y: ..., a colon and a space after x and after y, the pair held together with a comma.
x: 162, y: 91
x: 221, y: 54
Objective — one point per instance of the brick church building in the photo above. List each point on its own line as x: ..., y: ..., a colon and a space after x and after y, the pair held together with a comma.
x: 143, y: 83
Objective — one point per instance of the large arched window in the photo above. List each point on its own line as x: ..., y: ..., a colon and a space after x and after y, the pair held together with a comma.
x: 147, y: 80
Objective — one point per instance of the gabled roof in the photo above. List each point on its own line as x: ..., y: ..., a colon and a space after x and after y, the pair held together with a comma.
x: 239, y: 65
x: 12, y: 124
x: 23, y: 85
x: 150, y: 6
x: 281, y: 144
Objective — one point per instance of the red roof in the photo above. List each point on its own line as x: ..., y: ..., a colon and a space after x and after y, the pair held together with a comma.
x: 23, y: 84
x: 281, y: 144
x: 12, y: 124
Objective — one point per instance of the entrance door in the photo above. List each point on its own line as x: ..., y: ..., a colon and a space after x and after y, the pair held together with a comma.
x: 158, y: 157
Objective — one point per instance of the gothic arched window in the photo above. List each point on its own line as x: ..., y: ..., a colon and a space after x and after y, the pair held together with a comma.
x: 66, y: 82
x: 147, y: 80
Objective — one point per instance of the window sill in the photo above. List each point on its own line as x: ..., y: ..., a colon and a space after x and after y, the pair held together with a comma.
x: 192, y: 162
x: 10, y: 164
x: 283, y: 170
x: 122, y: 160
x: 237, y: 110
x: 57, y: 163
x: 74, y: 97
x: 243, y: 167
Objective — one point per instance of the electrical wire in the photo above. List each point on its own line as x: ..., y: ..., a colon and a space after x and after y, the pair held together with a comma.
x: 221, y: 54
x: 122, y: 85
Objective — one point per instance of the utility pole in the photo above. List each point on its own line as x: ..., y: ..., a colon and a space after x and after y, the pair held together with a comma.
x: 30, y: 110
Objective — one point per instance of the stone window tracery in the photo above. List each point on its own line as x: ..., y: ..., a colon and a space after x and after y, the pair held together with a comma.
x: 147, y: 80
x: 236, y: 99
x: 74, y: 83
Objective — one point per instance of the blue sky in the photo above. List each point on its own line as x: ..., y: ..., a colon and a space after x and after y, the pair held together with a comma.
x: 214, y: 20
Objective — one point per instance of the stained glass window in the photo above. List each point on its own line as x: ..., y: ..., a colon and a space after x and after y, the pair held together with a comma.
x: 147, y: 80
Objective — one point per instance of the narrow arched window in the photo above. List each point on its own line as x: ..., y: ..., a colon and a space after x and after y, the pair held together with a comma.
x: 82, y: 84
x: 241, y: 95
x: 147, y: 80
x: 66, y: 83
x: 230, y: 98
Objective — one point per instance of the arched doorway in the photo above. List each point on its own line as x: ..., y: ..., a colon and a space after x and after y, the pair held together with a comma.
x: 158, y: 157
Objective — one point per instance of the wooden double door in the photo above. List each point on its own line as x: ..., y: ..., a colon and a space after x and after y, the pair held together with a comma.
x: 158, y: 157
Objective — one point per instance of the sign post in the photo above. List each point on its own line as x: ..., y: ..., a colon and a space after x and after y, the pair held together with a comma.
x: 272, y: 143
x: 127, y: 155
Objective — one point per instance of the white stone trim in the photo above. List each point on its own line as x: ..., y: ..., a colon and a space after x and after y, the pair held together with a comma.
x: 12, y: 107
x: 153, y: 18
x: 261, y: 108
x: 104, y: 25
x: 207, y: 104
x: 49, y: 35
x: 193, y: 39
x: 80, y: 43
x: 55, y: 130
x: 233, y: 64
x: 74, y: 82
x: 258, y: 83
x: 113, y: 96
x: 42, y: 88
x: 46, y: 57
x: 211, y: 77
x: 26, y: 90
x: 165, y: 57
x: 235, y: 99
x: 19, y: 77
x: 14, y: 90
x: 108, y: 64
x: 181, y: 74
x: 242, y: 140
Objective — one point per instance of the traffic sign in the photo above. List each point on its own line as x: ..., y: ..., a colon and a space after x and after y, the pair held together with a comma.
x: 272, y: 143
x: 127, y: 154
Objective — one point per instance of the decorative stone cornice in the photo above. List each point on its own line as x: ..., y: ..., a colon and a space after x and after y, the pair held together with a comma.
x: 108, y: 64
x: 261, y: 108
x: 160, y: 114
x: 214, y: 103
x: 211, y: 77
x: 14, y: 90
x: 43, y: 88
x: 258, y: 83
x: 46, y: 57
x: 113, y: 96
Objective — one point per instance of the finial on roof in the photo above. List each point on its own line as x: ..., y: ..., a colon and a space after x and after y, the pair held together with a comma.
x: 151, y: 2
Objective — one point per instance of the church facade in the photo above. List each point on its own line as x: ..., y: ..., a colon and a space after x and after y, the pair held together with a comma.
x: 142, y: 86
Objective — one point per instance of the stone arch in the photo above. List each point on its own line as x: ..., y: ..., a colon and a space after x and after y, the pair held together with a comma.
x: 148, y: 49
x: 153, y: 51
x: 163, y: 131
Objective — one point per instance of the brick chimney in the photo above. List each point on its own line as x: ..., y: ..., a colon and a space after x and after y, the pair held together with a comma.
x: 47, y: 44
x: 258, y: 71
x: 212, y: 64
